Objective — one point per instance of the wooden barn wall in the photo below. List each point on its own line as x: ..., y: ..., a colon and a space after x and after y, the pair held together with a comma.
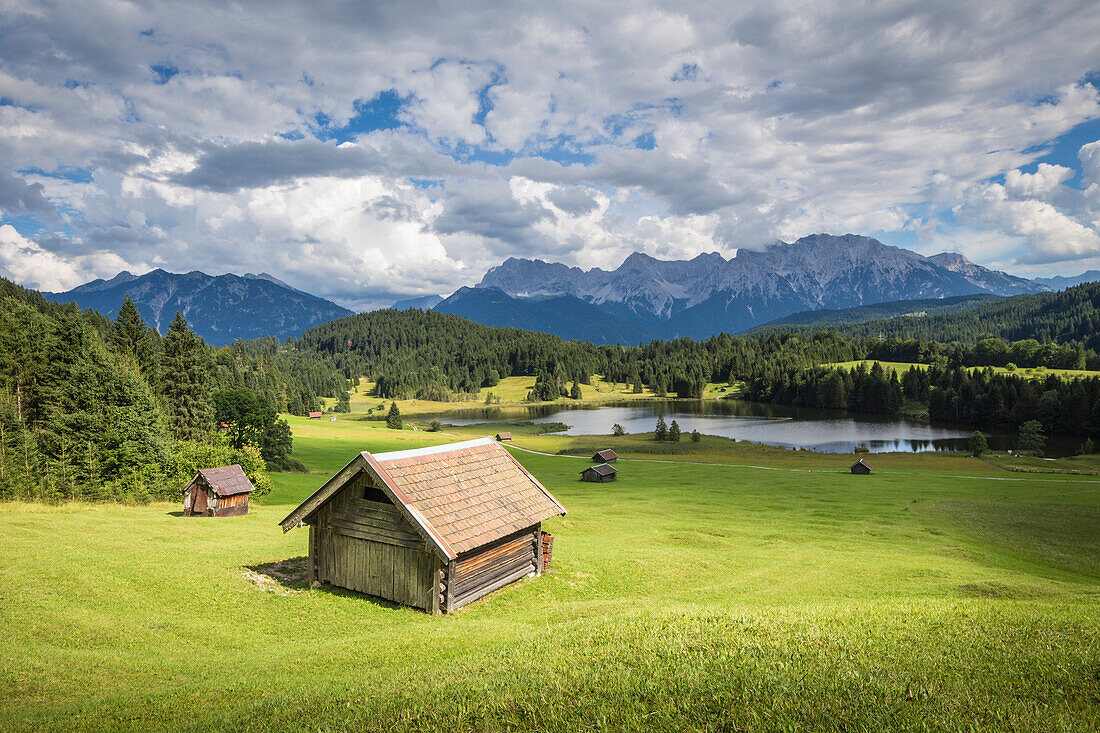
x: 231, y: 506
x: 369, y: 547
x: 494, y: 566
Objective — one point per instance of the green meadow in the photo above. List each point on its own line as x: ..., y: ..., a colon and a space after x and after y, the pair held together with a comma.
x: 716, y: 586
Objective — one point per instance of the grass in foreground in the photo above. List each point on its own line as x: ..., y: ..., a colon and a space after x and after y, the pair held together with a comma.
x: 682, y: 596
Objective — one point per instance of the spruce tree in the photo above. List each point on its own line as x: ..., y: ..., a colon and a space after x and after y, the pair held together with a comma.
x: 393, y: 419
x: 130, y: 338
x: 186, y: 392
x: 575, y: 391
x: 674, y: 432
x: 660, y: 433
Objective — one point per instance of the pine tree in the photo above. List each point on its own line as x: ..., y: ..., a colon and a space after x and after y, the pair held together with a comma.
x: 660, y: 433
x: 674, y: 432
x: 186, y: 392
x: 393, y: 419
x: 695, y: 437
x: 617, y: 430
x: 575, y: 391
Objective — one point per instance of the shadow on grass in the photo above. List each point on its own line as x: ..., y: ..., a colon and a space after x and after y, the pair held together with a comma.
x: 178, y: 513
x: 291, y: 576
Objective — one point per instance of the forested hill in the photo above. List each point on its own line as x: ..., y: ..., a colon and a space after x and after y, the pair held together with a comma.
x: 98, y: 409
x: 1071, y: 317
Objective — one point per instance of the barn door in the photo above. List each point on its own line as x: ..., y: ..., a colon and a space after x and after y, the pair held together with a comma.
x: 198, y: 501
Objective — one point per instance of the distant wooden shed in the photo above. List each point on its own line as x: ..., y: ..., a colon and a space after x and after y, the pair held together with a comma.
x: 599, y: 474
x: 434, y: 528
x: 315, y: 416
x: 501, y: 437
x: 861, y: 467
x: 217, y: 492
x: 605, y: 456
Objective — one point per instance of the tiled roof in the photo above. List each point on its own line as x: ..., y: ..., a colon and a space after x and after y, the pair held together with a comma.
x: 227, y: 480
x: 603, y: 469
x: 470, y: 493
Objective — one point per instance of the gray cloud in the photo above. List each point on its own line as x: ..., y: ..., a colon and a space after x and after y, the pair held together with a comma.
x: 573, y: 200
x: 19, y: 197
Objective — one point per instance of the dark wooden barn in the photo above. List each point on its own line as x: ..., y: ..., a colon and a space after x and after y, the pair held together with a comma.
x: 501, y: 437
x: 217, y: 492
x: 599, y: 474
x: 861, y: 467
x: 434, y: 528
x: 605, y: 456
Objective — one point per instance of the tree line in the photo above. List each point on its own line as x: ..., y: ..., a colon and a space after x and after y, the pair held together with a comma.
x: 96, y: 409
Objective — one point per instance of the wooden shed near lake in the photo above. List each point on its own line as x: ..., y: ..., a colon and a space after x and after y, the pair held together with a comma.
x: 502, y: 437
x: 599, y: 474
x: 605, y: 456
x: 217, y: 492
x: 434, y: 528
x: 861, y: 467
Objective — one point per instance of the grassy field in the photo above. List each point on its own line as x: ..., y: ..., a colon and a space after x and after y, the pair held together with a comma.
x: 940, y: 593
x: 511, y: 392
x: 1028, y: 373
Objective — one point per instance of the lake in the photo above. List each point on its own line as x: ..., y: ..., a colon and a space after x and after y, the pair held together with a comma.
x: 792, y: 427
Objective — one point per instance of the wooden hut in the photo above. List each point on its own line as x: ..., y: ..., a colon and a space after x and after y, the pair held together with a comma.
x: 315, y: 415
x: 217, y: 492
x: 434, y: 528
x: 861, y: 467
x: 605, y: 456
x: 501, y: 437
x: 599, y: 474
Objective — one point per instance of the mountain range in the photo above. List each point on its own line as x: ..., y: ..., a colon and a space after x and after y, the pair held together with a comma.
x: 710, y: 294
x: 642, y: 299
x: 221, y: 308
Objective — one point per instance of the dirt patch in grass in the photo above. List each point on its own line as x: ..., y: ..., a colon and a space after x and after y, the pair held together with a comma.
x: 283, y: 577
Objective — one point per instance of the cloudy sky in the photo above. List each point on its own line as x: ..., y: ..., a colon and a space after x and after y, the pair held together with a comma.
x: 365, y: 150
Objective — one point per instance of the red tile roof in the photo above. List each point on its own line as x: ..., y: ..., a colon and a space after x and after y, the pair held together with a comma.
x: 460, y: 495
x: 470, y: 493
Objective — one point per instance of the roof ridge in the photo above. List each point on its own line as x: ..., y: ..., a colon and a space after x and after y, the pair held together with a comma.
x: 398, y: 455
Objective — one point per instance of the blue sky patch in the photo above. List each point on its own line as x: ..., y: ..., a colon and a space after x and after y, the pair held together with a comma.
x: 164, y: 72
x: 380, y: 113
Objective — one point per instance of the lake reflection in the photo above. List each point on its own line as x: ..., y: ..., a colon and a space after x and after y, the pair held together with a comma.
x: 820, y: 430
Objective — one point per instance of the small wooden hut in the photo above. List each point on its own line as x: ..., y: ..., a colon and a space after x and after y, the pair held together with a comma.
x: 315, y: 415
x: 434, y: 528
x: 599, y: 474
x: 861, y: 467
x: 217, y: 492
x: 501, y: 437
x: 605, y: 456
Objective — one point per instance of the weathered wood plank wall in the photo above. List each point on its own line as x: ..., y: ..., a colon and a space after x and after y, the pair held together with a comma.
x: 493, y: 566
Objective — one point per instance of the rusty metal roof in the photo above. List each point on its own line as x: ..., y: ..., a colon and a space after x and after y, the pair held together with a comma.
x: 603, y: 469
x: 865, y: 463
x: 470, y: 493
x: 225, y: 481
